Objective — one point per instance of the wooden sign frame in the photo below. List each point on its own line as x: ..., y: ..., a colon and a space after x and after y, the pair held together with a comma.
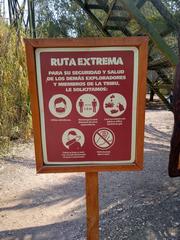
x: 141, y: 44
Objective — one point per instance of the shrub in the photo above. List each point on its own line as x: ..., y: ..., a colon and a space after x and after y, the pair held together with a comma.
x: 14, y: 98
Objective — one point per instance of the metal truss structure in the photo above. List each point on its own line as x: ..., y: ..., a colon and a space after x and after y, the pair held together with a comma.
x: 22, y: 15
x: 125, y: 18
x: 139, y: 18
x: 2, y: 9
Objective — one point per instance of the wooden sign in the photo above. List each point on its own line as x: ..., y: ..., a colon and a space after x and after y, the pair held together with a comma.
x: 88, y: 101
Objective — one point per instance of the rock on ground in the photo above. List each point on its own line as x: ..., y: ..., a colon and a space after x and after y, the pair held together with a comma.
x: 133, y: 205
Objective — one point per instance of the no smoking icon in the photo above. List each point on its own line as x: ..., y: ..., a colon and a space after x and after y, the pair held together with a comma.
x: 103, y: 138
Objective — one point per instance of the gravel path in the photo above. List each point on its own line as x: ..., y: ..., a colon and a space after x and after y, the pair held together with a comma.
x: 133, y: 205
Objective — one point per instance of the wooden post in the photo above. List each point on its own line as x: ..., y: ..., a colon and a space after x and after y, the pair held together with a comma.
x: 92, y: 205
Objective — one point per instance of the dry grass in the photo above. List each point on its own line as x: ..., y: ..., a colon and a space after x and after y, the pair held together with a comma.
x: 14, y: 98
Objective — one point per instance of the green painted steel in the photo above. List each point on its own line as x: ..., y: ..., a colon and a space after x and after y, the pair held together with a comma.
x: 126, y: 18
x: 151, y: 31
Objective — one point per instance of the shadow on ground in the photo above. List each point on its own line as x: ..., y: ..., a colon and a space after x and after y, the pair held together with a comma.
x: 50, y: 195
x: 60, y: 231
x: 20, y: 161
x: 134, y: 205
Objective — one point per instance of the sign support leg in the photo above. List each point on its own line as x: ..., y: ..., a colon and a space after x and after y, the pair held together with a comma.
x: 92, y: 205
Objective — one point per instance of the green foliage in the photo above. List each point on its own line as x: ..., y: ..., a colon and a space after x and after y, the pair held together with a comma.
x: 62, y: 18
x: 172, y: 5
x: 14, y: 107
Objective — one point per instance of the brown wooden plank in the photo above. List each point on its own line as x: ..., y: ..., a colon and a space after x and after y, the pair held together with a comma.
x: 90, y: 168
x: 87, y: 42
x: 143, y: 56
x: 34, y: 103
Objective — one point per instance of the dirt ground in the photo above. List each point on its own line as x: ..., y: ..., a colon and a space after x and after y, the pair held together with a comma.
x: 133, y: 205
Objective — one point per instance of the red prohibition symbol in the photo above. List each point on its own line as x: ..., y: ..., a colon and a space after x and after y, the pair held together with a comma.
x: 103, y: 138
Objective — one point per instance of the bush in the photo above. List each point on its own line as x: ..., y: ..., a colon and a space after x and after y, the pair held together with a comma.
x: 14, y: 98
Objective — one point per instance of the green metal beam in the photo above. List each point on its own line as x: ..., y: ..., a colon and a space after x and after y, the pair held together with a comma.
x: 140, y: 3
x: 166, y: 14
x: 150, y: 30
x: 93, y: 18
x: 109, y: 13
